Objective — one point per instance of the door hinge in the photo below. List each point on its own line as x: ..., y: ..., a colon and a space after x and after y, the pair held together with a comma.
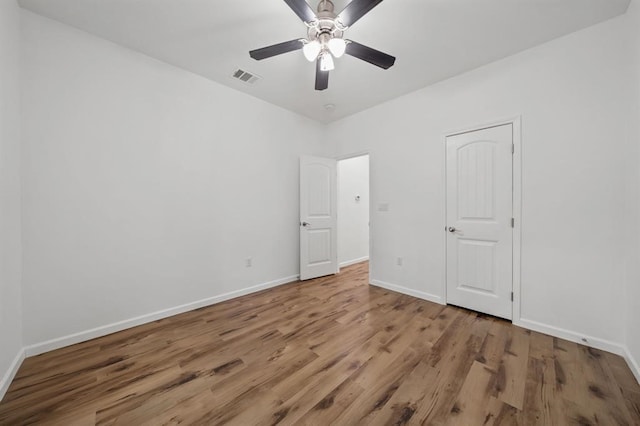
x: 513, y: 222
x: 512, y: 296
x: 513, y: 148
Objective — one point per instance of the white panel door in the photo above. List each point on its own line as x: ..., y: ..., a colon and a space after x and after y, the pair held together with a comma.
x: 479, y: 227
x: 318, y: 217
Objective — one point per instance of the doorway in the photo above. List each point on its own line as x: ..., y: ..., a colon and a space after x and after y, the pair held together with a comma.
x: 480, y: 220
x: 353, y: 210
x: 334, y: 214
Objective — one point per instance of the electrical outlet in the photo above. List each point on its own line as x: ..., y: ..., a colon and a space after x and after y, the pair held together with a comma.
x: 248, y: 262
x: 399, y: 261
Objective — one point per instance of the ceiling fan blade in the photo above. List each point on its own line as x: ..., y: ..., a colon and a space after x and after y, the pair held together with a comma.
x: 322, y: 77
x: 276, y: 49
x: 302, y: 9
x: 356, y: 10
x: 370, y: 55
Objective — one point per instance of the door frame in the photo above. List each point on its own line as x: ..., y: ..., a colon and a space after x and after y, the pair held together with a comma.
x: 354, y: 155
x: 516, y: 122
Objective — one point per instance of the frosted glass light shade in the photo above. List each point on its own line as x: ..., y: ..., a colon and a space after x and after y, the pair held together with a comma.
x: 326, y: 62
x: 311, y: 50
x: 337, y: 47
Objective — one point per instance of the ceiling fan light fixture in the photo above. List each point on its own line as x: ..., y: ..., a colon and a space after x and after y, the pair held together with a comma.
x: 326, y: 62
x: 337, y: 46
x: 325, y: 38
x: 311, y: 50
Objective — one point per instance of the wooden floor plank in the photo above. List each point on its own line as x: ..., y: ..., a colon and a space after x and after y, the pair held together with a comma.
x: 410, y: 395
x: 332, y: 405
x: 333, y: 350
x: 472, y: 399
x: 499, y: 413
x: 512, y: 372
x: 378, y: 392
x: 541, y: 403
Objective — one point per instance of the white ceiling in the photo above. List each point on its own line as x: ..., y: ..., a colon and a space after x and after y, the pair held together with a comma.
x: 432, y: 40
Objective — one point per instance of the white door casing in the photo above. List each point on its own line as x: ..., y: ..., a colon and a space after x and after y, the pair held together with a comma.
x: 479, y: 191
x: 318, y: 217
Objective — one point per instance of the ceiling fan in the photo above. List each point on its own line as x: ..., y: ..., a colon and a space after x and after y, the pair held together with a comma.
x: 325, y: 31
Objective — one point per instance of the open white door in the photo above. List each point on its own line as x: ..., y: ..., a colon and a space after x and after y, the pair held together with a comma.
x: 479, y: 220
x: 318, y: 217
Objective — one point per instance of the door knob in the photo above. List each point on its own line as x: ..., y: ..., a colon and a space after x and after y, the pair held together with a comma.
x: 305, y: 224
x: 452, y: 229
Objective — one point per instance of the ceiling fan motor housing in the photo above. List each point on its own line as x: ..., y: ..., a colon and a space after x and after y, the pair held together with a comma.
x: 326, y: 26
x: 326, y: 6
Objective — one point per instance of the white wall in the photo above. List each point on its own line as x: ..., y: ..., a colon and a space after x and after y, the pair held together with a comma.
x: 632, y: 220
x: 10, y: 297
x: 353, y: 215
x: 146, y: 187
x: 573, y: 96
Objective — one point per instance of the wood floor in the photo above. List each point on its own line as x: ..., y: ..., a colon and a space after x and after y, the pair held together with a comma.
x: 328, y: 351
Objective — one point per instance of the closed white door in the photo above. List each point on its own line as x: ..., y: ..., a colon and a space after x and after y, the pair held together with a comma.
x: 318, y: 217
x: 479, y: 220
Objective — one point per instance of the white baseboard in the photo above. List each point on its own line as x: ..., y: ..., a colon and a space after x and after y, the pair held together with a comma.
x: 569, y: 335
x: 408, y: 291
x: 104, y: 330
x: 633, y: 363
x: 353, y: 261
x: 72, y: 339
x: 572, y: 336
x: 602, y: 344
x: 11, y: 373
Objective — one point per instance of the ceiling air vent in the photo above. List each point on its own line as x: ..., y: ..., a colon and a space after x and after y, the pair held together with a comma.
x: 245, y: 76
